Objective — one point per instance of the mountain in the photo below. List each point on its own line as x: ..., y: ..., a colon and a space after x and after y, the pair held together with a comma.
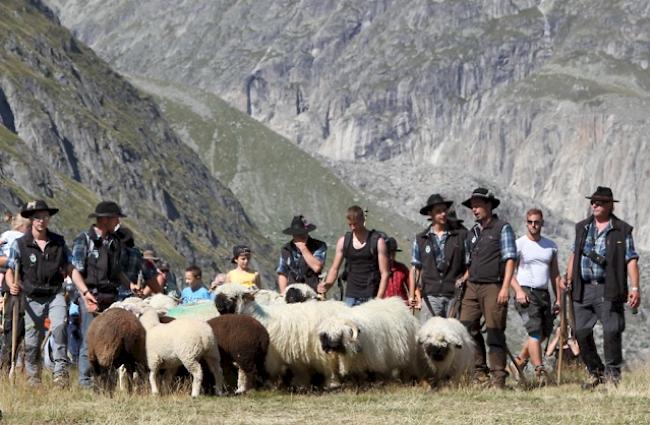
x: 74, y: 132
x: 544, y: 99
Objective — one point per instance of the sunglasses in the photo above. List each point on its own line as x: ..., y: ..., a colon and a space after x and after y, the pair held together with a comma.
x: 599, y: 203
x: 534, y: 222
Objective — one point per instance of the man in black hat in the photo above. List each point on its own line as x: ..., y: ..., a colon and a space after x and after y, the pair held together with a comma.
x: 492, y: 254
x: 437, y: 259
x: 96, y: 255
x: 44, y: 262
x: 603, y: 259
x: 302, y: 258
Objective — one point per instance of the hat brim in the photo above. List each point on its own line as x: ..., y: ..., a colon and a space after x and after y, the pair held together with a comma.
x: 468, y: 202
x: 30, y: 213
x: 292, y: 231
x: 98, y: 215
x: 425, y: 210
x: 601, y: 198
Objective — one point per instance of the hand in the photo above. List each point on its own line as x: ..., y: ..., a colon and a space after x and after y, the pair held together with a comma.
x: 634, y: 299
x: 13, y: 288
x: 135, y: 288
x: 563, y: 284
x: 503, y: 296
x: 556, y: 309
x: 521, y: 297
x: 412, y: 302
x: 460, y: 282
x: 301, y: 245
x: 91, y: 302
x: 322, y: 288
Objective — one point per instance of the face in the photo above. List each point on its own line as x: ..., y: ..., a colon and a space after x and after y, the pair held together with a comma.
x: 300, y: 238
x: 243, y: 260
x: 534, y: 223
x: 481, y: 208
x: 355, y: 223
x: 190, y: 279
x: 438, y: 214
x: 40, y: 220
x: 108, y: 224
x: 602, y: 208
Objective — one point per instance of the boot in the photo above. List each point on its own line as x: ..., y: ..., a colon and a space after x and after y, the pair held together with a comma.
x: 592, y: 382
x: 498, y: 369
x: 541, y: 376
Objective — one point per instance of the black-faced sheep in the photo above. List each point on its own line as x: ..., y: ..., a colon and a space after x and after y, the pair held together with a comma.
x: 244, y: 342
x: 299, y: 293
x: 116, y: 341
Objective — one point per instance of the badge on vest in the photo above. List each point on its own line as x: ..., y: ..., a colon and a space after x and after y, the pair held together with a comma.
x: 474, y: 239
x: 427, y: 249
x: 32, y: 258
x: 95, y: 254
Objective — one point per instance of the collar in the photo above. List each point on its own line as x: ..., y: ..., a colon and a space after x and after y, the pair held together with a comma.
x: 29, y: 238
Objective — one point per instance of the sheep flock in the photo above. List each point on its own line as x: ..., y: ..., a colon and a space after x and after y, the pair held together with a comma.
x: 247, y: 339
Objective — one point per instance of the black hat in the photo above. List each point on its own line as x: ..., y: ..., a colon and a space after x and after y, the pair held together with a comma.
x: 107, y: 209
x: 34, y: 206
x: 391, y: 245
x: 238, y: 250
x: 299, y: 226
x: 482, y: 193
x: 602, y: 193
x: 434, y: 199
x: 453, y: 217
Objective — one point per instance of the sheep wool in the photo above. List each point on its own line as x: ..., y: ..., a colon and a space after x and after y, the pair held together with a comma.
x: 299, y: 293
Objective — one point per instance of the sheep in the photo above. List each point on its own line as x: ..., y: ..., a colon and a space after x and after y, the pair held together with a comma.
x: 116, y: 339
x: 294, y: 344
x: 298, y: 293
x: 268, y: 297
x: 182, y: 341
x: 448, y: 348
x: 242, y: 340
x: 161, y: 302
x: 200, y: 310
x: 377, y: 337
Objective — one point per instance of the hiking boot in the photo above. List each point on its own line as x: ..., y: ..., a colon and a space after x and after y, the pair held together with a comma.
x: 592, y: 382
x: 541, y: 376
x: 34, y: 381
x: 498, y: 382
x: 61, y: 380
x: 480, y: 377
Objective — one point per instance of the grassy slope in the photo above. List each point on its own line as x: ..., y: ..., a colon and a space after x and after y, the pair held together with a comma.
x: 629, y: 403
x: 271, y: 177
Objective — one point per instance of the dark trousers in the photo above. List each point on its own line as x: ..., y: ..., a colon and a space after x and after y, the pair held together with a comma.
x: 5, y: 350
x: 595, y: 308
x: 481, y: 300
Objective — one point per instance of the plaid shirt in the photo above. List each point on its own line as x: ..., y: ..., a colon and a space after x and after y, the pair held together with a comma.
x: 81, y: 250
x: 132, y: 264
x: 597, y: 242
x: 438, y: 246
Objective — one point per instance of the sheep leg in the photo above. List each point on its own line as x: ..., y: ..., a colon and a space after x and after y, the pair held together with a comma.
x: 215, y: 369
x: 194, y: 367
x: 243, y: 381
x: 153, y: 380
x: 122, y: 377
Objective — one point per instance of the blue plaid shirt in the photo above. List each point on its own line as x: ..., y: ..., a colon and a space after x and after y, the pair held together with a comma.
x: 508, y: 243
x: 320, y: 254
x: 132, y: 264
x: 438, y: 245
x: 597, y: 242
x: 81, y: 250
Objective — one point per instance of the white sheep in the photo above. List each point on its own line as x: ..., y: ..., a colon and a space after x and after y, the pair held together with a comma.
x: 376, y: 337
x: 181, y: 342
x: 161, y: 302
x: 298, y: 293
x: 448, y: 348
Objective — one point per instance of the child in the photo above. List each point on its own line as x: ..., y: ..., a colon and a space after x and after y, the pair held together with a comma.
x: 195, y: 289
x: 241, y: 255
x: 398, y: 281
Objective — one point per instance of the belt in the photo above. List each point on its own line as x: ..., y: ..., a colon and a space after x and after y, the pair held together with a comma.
x: 536, y: 289
x: 594, y: 282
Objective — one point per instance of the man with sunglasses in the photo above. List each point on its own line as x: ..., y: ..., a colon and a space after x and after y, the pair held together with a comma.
x: 603, y: 259
x: 536, y: 266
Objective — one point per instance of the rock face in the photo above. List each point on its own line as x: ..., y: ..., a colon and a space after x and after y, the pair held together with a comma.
x: 74, y: 132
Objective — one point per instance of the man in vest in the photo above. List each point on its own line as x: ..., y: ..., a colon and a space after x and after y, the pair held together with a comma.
x: 603, y: 258
x: 492, y: 255
x: 366, y: 261
x: 438, y: 260
x: 43, y: 259
x: 302, y: 258
x: 96, y: 258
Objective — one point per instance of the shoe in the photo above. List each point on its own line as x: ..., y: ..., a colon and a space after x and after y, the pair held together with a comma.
x: 592, y: 382
x: 480, y: 377
x: 498, y: 380
x: 61, y: 381
x: 34, y: 382
x: 541, y: 376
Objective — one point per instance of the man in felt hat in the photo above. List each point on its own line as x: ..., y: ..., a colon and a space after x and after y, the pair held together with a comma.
x: 491, y: 262
x: 366, y: 261
x: 96, y: 256
x: 302, y: 258
x: 437, y: 259
x: 44, y: 262
x: 603, y: 259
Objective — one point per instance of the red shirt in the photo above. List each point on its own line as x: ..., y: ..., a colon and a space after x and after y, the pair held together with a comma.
x: 398, y: 281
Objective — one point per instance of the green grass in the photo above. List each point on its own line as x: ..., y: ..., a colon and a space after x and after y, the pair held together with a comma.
x: 391, y: 404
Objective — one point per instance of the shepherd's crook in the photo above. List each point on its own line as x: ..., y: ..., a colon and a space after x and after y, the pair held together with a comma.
x: 14, y: 329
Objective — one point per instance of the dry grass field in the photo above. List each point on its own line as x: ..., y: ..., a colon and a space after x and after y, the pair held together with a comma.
x: 389, y: 405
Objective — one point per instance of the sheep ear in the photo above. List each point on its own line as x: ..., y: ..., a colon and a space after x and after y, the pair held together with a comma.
x: 459, y: 346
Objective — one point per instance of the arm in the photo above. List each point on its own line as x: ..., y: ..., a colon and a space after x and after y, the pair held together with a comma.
x: 413, y: 277
x: 282, y: 283
x: 258, y: 280
x: 634, y: 297
x: 89, y: 299
x: 569, y: 273
x: 12, y: 259
x: 333, y: 272
x: 384, y: 270
x: 414, y: 274
x: 555, y: 277
x: 509, y: 256
x: 507, y: 278
x: 312, y: 262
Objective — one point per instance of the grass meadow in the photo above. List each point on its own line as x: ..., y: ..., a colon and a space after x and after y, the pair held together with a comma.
x: 383, y: 404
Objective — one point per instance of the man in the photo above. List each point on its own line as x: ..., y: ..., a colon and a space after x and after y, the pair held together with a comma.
x: 44, y: 262
x: 603, y: 259
x: 366, y: 261
x: 437, y: 259
x: 491, y: 255
x: 302, y: 258
x: 96, y: 256
x: 536, y: 266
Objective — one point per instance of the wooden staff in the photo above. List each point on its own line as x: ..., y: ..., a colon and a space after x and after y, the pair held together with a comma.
x: 14, y: 327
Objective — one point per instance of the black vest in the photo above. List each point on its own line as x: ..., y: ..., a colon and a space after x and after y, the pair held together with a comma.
x: 300, y: 272
x: 485, y: 252
x: 433, y: 281
x: 615, y: 266
x: 42, y: 272
x: 362, y: 269
x: 102, y: 262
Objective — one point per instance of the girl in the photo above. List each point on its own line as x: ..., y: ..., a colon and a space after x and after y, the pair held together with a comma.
x: 241, y: 255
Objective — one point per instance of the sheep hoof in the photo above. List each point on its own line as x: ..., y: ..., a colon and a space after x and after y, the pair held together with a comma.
x: 334, y: 385
x: 240, y: 391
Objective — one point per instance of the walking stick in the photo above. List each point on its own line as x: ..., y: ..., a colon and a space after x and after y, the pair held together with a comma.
x: 14, y: 328
x: 563, y: 334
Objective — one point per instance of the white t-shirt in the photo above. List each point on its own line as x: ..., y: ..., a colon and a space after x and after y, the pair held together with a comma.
x: 535, y: 261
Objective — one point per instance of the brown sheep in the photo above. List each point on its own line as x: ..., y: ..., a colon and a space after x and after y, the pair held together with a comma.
x: 244, y: 342
x: 116, y: 341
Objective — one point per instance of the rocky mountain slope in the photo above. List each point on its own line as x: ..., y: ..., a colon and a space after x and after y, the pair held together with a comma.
x: 544, y: 99
x: 74, y: 132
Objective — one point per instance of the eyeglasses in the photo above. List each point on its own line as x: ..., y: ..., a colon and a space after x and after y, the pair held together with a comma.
x: 534, y: 222
x: 42, y: 218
